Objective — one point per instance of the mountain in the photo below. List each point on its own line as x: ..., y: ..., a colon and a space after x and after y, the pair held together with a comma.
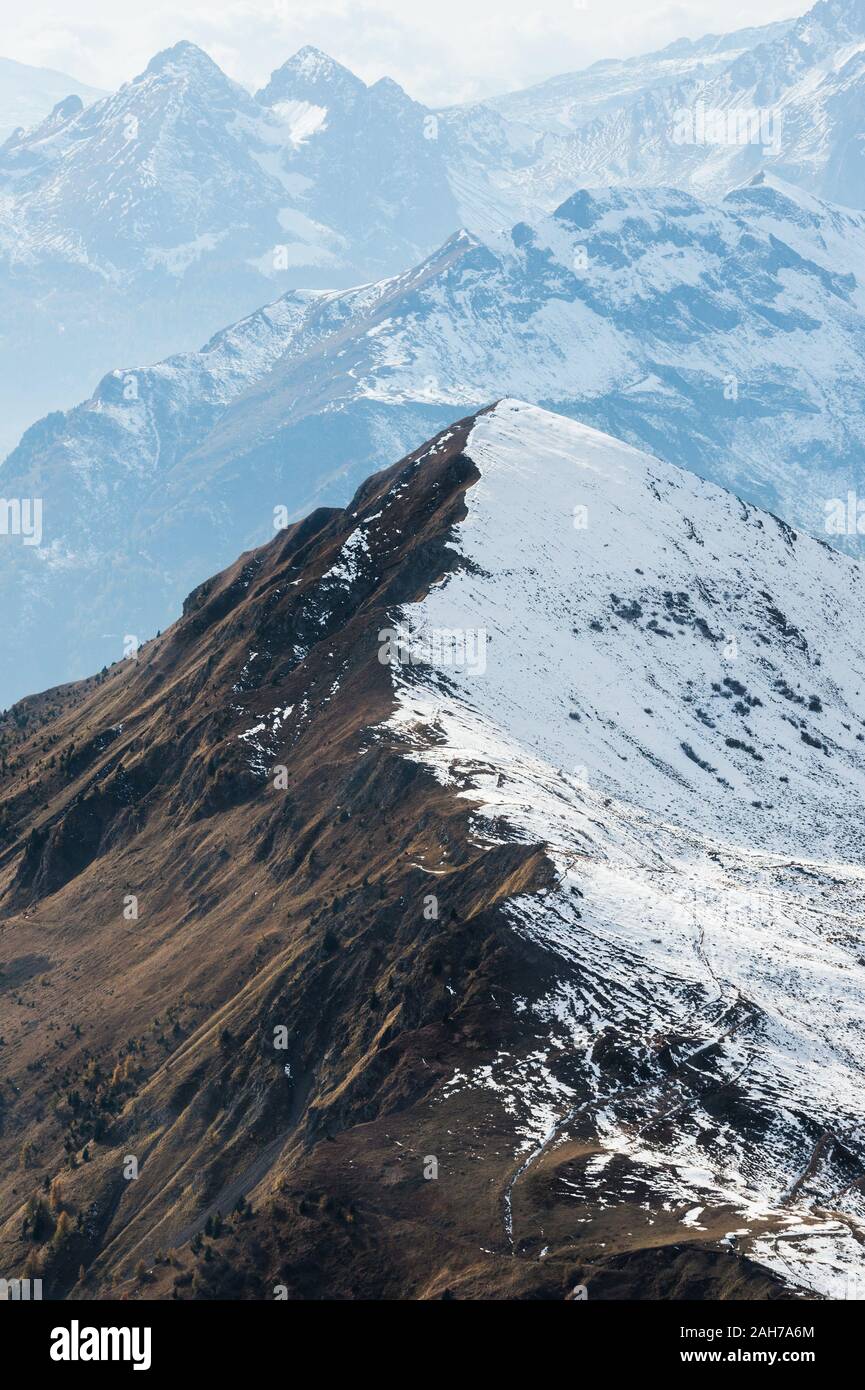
x: 28, y: 94
x: 462, y: 900
x: 368, y: 158
x: 146, y: 170
x: 791, y: 104
x: 728, y: 339
x: 564, y: 103
x: 200, y: 171
x: 142, y: 224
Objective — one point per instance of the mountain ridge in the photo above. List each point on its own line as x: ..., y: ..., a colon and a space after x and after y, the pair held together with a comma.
x: 523, y: 1026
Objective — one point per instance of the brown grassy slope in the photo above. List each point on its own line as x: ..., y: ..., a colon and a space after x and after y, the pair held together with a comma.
x: 153, y: 1039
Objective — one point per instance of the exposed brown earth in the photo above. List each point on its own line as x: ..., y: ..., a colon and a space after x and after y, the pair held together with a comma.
x: 260, y: 907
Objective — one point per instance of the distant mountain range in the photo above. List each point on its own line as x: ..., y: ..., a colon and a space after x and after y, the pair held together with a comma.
x: 792, y: 103
x: 572, y: 100
x: 727, y: 339
x: 142, y: 224
x: 28, y: 94
x: 463, y: 899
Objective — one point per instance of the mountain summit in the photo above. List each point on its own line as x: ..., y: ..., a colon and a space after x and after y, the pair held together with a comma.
x: 183, y: 58
x: 310, y: 75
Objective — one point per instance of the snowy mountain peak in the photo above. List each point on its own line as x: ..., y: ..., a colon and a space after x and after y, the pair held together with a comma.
x: 767, y: 188
x: 633, y: 608
x: 311, y: 75
x: 389, y: 92
x: 599, y: 547
x: 187, y: 69
x: 833, y: 237
x: 766, y: 185
x: 182, y: 57
x: 313, y: 63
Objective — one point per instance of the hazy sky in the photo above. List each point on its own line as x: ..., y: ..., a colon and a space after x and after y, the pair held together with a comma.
x: 439, y: 50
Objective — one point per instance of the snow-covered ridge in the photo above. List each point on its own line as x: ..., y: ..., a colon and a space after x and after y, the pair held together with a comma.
x: 624, y: 566
x: 672, y: 701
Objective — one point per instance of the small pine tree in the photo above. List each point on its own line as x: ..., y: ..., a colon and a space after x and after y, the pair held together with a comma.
x: 63, y: 1229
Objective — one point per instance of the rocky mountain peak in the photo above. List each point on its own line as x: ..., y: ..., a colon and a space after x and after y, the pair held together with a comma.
x: 182, y: 58
x: 311, y: 75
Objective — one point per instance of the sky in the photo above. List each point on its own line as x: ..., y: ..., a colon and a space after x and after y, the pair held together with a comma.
x: 440, y: 51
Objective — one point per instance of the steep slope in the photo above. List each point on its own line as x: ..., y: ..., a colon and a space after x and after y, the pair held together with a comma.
x: 699, y: 332
x: 28, y: 94
x: 433, y: 910
x: 672, y: 700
